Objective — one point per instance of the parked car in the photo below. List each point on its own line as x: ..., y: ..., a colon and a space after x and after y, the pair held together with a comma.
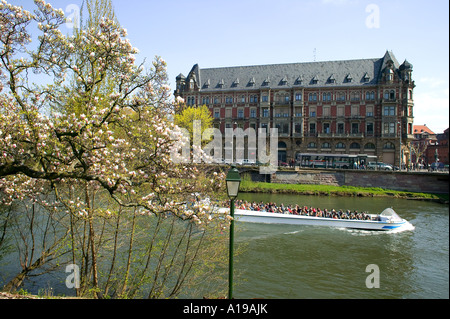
x: 437, y: 166
x: 380, y: 166
x: 248, y: 162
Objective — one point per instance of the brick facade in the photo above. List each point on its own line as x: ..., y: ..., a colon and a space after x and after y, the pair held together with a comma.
x: 349, y: 107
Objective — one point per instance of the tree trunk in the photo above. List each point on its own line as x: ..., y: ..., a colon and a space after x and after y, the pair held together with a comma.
x: 17, y: 281
x: 97, y: 292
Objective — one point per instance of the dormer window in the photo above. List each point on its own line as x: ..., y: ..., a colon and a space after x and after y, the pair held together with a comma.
x: 283, y: 81
x: 266, y: 81
x: 221, y: 83
x: 251, y: 82
x: 299, y: 80
x: 390, y: 75
x: 235, y: 83
x: 207, y: 84
x: 366, y: 78
x: 332, y: 79
x: 315, y: 80
x: 349, y: 78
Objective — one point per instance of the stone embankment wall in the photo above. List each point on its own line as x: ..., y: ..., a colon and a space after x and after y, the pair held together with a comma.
x: 421, y: 182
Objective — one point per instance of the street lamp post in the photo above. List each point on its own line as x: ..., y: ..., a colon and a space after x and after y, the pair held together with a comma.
x: 233, y: 181
x: 400, y: 151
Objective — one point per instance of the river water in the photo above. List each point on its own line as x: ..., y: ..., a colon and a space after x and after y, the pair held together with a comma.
x: 287, y: 261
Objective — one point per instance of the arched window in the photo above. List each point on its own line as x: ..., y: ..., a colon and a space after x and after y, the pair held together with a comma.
x: 326, y: 145
x: 355, y: 145
x: 340, y: 145
x: 326, y: 96
x: 392, y: 95
x: 282, y: 145
x: 370, y: 95
x: 369, y: 146
x: 312, y: 97
x: 312, y: 145
x: 389, y: 146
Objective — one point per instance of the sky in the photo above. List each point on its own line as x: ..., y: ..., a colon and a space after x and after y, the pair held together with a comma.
x: 251, y: 32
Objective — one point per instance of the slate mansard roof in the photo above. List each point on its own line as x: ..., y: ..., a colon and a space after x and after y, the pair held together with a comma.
x: 327, y: 74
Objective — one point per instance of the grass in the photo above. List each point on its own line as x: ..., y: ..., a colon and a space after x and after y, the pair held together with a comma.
x: 326, y: 190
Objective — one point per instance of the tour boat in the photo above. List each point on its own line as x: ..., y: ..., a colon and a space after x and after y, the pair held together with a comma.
x: 387, y: 220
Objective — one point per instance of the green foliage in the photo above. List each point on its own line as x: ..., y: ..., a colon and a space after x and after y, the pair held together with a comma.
x: 248, y: 186
x: 188, y: 115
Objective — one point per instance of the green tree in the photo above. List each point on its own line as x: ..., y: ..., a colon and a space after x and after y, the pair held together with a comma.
x: 188, y: 115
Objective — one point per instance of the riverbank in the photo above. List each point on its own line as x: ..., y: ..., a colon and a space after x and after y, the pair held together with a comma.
x: 326, y: 190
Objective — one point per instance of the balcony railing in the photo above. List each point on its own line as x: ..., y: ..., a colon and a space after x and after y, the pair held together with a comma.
x: 282, y: 103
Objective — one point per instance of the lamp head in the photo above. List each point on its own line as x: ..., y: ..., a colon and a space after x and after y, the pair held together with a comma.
x: 233, y: 181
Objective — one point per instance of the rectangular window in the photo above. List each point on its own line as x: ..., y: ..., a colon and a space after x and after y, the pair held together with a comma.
x: 298, y: 96
x: 340, y: 111
x: 369, y: 111
x: 253, y: 113
x: 389, y: 128
x: 265, y: 112
x: 326, y: 111
x: 389, y: 111
x: 240, y: 113
x: 283, y: 128
x: 369, y: 128
x: 355, y: 128
x: 326, y: 128
x: 340, y: 128
x: 298, y: 127
x: 265, y: 98
x: 312, y: 112
x: 312, y: 128
x: 264, y: 127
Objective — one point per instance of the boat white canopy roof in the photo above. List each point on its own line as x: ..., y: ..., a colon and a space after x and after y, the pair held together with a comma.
x: 390, y: 214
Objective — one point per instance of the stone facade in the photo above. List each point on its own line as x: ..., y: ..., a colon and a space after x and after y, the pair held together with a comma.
x: 404, y: 181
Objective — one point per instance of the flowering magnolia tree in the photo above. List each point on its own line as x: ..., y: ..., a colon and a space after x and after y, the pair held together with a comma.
x: 96, y: 124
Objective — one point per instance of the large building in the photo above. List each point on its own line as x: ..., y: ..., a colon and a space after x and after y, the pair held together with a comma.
x: 341, y: 107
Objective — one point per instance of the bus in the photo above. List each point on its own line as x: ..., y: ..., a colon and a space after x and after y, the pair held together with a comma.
x: 343, y: 161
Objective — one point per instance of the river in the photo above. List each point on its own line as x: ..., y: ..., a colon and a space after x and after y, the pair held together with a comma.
x: 284, y: 261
